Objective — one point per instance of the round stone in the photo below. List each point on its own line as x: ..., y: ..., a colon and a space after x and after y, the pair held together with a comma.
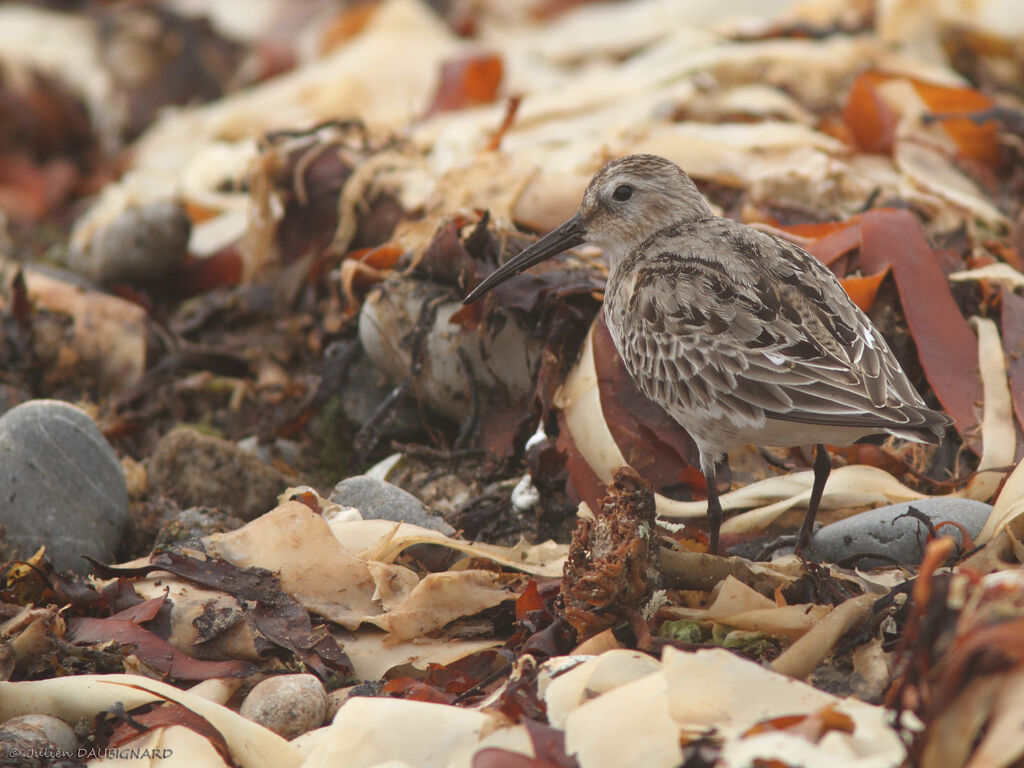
x: 895, y: 535
x: 61, y: 484
x: 289, y: 705
x: 198, y: 470
x: 38, y: 735
x: 142, y: 245
x: 380, y: 500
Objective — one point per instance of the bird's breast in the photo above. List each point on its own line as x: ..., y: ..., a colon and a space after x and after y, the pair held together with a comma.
x: 617, y: 294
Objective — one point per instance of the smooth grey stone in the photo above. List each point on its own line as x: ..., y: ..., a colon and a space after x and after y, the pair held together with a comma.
x: 143, y: 245
x: 379, y: 500
x: 61, y: 485
x: 879, y: 532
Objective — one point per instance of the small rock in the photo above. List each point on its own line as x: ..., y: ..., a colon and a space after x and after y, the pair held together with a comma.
x: 192, y: 524
x: 879, y: 532
x: 28, y: 736
x: 198, y: 470
x: 140, y: 246
x: 379, y: 500
x: 61, y: 484
x: 289, y: 705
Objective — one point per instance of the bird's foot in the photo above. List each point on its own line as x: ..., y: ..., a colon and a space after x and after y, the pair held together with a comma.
x: 784, y: 544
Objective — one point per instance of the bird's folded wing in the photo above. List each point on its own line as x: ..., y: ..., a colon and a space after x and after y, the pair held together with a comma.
x: 747, y: 346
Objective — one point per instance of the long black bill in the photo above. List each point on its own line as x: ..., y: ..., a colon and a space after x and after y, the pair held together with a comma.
x: 565, y: 236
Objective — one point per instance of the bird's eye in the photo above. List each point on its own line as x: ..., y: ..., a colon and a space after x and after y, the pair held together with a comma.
x: 622, y: 193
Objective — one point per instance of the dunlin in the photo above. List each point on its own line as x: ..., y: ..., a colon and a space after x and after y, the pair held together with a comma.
x: 740, y: 336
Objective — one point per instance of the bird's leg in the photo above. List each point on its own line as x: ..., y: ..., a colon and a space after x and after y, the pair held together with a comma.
x: 822, y: 468
x: 714, y: 507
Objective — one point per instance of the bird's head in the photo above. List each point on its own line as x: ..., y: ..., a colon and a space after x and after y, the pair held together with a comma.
x: 630, y: 199
x: 626, y: 202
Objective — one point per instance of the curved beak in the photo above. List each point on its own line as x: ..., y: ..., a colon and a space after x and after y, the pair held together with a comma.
x: 565, y: 236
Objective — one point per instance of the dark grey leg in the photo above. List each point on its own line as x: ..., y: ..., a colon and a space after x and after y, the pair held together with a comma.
x: 714, y: 510
x: 822, y: 468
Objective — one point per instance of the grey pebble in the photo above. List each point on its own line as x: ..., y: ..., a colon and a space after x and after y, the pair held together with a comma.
x: 61, y: 485
x: 289, y: 705
x: 879, y: 532
x: 140, y: 246
x: 193, y: 524
x: 32, y: 735
x: 380, y: 500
